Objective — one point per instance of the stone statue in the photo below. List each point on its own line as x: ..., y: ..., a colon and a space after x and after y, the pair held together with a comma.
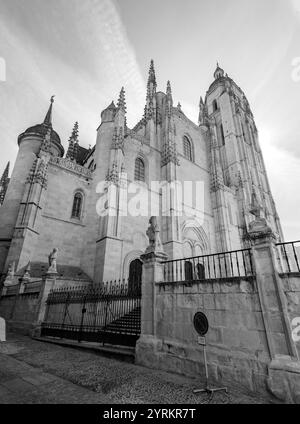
x: 155, y: 244
x: 52, y: 260
x: 9, y: 280
x: 259, y: 227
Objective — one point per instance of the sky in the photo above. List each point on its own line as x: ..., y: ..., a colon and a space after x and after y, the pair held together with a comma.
x: 84, y: 51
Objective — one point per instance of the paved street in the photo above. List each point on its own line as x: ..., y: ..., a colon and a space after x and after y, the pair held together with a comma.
x: 37, y: 372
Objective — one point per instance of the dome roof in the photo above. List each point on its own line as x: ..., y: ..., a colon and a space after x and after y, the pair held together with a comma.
x: 41, y: 130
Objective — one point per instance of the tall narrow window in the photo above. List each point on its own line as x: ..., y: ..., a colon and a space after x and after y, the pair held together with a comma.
x: 222, y: 135
x: 187, y: 148
x: 77, y: 206
x: 215, y: 105
x: 139, y: 170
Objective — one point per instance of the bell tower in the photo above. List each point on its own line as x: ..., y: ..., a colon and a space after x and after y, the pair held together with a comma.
x: 241, y: 167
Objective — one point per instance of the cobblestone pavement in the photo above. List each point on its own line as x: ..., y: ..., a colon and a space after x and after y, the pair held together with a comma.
x: 37, y: 372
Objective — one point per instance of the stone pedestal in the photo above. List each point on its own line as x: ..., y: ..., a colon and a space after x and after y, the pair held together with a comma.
x: 48, y: 284
x: 153, y: 272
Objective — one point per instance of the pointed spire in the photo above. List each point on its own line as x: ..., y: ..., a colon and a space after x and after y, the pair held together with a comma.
x: 203, y: 116
x: 169, y: 90
x: 151, y: 78
x: 48, y: 117
x: 4, y: 183
x: 122, y: 102
x: 73, y: 143
x: 4, y: 177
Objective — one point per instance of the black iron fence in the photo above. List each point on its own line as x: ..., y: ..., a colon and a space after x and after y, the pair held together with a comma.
x: 237, y: 263
x: 107, y: 313
x: 288, y: 255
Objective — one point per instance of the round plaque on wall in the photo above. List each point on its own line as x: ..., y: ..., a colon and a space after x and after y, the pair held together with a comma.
x: 201, y: 323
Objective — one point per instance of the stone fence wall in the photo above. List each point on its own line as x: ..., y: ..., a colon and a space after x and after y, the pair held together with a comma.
x: 237, y: 347
x: 22, y: 305
x: 250, y: 341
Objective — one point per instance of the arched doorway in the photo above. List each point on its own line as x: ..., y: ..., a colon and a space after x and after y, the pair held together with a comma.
x: 135, y: 275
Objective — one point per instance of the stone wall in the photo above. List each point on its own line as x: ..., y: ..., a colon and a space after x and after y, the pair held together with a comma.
x: 237, y: 349
x: 21, y: 304
x: 291, y: 286
x: 19, y: 311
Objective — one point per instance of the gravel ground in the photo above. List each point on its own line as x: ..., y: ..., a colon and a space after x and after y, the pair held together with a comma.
x: 120, y: 382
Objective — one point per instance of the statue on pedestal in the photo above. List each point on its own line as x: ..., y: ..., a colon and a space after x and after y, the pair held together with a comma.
x: 258, y: 228
x: 155, y: 244
x: 52, y: 261
x: 9, y: 280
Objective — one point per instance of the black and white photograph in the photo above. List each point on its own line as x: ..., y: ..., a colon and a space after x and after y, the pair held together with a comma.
x: 149, y: 207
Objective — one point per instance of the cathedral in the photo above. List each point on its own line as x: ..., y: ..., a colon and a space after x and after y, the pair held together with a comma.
x: 51, y: 199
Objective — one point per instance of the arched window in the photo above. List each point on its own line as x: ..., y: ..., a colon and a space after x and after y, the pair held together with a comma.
x: 139, y: 170
x: 77, y: 205
x: 187, y: 149
x: 215, y: 105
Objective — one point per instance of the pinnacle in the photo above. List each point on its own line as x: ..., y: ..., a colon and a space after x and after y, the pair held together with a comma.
x: 151, y: 78
x: 122, y: 102
x: 73, y: 143
x: 169, y: 90
x: 5, y: 173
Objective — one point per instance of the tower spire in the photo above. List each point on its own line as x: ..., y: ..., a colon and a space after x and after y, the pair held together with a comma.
x: 151, y: 91
x: 73, y: 143
x: 48, y: 117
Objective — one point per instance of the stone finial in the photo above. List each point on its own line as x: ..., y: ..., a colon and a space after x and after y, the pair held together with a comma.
x: 153, y: 234
x: 52, y: 261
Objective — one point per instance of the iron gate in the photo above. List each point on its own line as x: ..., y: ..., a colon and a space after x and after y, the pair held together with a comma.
x: 109, y: 314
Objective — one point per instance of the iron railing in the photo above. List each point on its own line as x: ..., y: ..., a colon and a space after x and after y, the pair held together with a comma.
x: 288, y: 255
x: 106, y: 313
x: 236, y: 263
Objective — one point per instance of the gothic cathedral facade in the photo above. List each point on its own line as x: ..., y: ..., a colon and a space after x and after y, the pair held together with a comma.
x: 51, y: 199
